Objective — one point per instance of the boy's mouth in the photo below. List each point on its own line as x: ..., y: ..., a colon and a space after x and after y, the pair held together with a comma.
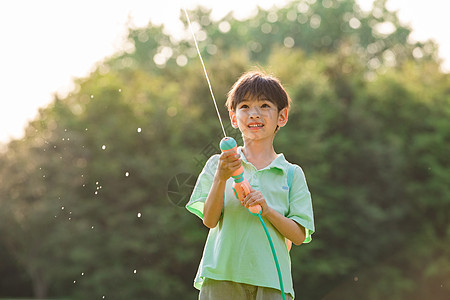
x: 255, y: 125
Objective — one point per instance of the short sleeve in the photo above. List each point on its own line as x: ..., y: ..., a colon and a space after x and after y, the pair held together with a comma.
x: 202, y: 187
x: 300, y: 203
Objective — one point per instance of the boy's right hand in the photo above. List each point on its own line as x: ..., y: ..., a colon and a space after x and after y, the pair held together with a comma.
x: 228, y: 163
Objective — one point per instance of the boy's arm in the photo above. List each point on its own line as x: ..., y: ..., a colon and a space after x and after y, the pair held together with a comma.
x: 287, y: 227
x: 214, y: 203
x: 228, y: 163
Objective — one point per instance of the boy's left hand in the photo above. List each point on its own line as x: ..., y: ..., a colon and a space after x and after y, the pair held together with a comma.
x: 256, y: 197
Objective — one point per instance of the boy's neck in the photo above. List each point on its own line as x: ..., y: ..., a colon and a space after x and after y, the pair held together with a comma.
x: 259, y: 153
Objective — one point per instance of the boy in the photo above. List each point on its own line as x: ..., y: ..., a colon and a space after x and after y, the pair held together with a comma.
x: 237, y: 261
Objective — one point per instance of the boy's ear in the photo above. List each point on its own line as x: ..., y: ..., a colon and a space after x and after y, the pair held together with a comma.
x: 233, y: 119
x: 283, y: 117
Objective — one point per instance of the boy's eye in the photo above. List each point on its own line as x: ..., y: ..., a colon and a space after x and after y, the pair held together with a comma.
x: 265, y: 105
x: 244, y: 106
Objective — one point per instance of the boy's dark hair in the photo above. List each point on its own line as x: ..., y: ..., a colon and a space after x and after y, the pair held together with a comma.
x: 261, y: 86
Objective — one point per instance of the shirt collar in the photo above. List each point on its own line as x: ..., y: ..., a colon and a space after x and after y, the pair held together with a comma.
x: 280, y: 162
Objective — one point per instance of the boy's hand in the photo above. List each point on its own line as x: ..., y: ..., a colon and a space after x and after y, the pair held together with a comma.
x: 228, y: 163
x: 256, y: 197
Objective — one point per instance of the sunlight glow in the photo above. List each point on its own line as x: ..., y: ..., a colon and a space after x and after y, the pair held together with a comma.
x: 48, y: 43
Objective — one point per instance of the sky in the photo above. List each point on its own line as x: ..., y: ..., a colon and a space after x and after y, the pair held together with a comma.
x: 46, y: 44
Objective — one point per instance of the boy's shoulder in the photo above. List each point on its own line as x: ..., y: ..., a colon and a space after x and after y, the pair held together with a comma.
x: 292, y: 170
x: 213, y: 158
x: 286, y: 165
x: 212, y: 162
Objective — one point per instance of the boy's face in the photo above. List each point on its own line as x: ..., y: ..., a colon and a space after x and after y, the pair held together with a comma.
x: 258, y: 118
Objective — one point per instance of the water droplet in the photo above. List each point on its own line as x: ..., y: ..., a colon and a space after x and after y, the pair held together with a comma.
x: 82, y: 273
x: 74, y: 281
x: 96, y: 182
x: 62, y: 207
x: 134, y: 271
x: 120, y: 90
x: 104, y: 147
x: 92, y: 227
x: 103, y: 297
x: 96, y: 192
x: 139, y: 129
x: 139, y: 215
x: 92, y: 96
x: 126, y: 174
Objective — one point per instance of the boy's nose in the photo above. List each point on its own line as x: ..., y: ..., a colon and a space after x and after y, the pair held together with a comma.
x: 254, y: 113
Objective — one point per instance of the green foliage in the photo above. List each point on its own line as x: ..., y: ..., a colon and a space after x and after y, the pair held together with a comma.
x: 84, y: 204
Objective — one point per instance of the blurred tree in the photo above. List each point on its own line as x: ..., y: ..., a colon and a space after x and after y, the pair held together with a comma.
x: 14, y: 282
x: 84, y: 205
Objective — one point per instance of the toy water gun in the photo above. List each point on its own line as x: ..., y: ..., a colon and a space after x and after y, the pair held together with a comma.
x: 241, y: 187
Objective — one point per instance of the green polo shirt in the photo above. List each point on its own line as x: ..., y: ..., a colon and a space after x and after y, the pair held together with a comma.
x: 237, y: 248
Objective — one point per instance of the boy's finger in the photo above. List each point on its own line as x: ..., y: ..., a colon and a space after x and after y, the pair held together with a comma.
x: 248, y: 198
x: 224, y: 155
x: 233, y: 160
x: 230, y: 153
